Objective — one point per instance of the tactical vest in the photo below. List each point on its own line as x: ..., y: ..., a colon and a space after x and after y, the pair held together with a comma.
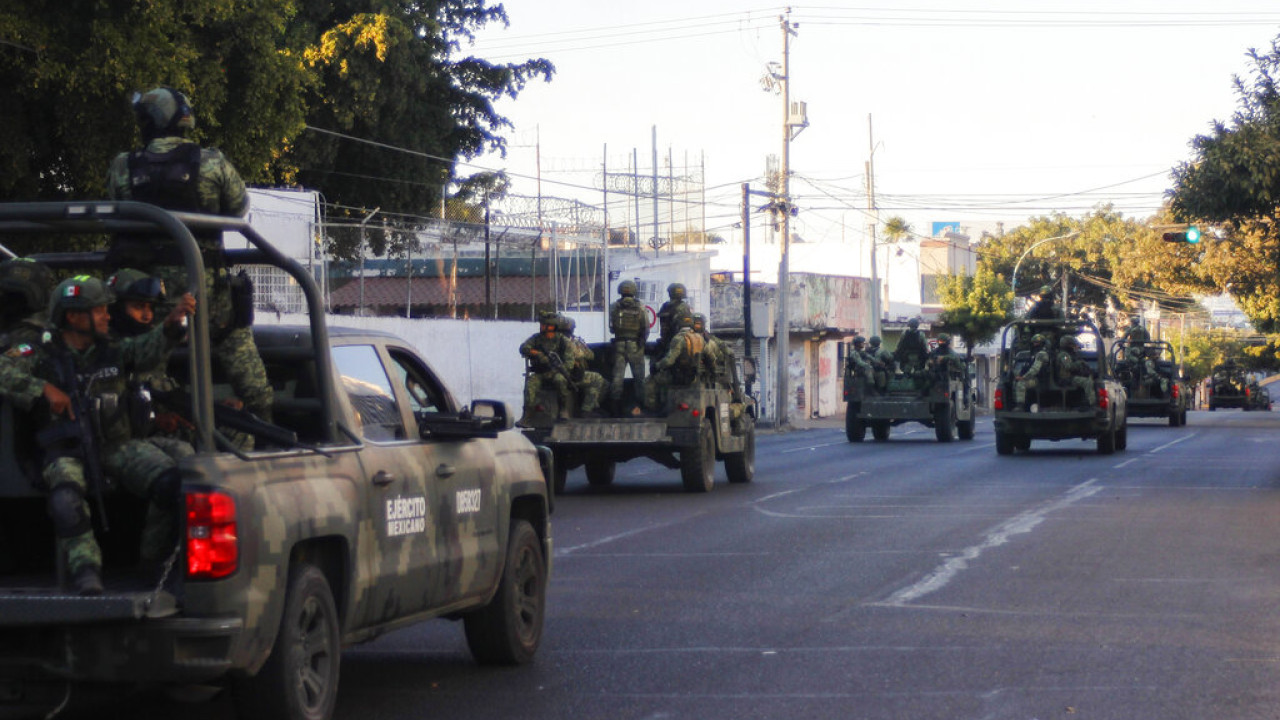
x: 694, y: 344
x: 102, y: 378
x: 170, y: 180
x: 1066, y: 366
x: 629, y: 320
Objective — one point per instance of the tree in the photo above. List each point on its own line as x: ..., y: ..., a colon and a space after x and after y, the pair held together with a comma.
x: 896, y: 229
x: 1233, y: 182
x: 976, y: 306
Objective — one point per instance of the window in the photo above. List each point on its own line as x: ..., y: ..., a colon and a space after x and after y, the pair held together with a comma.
x: 425, y: 394
x: 365, y: 382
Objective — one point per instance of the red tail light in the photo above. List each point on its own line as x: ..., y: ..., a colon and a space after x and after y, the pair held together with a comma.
x: 1248, y: 392
x: 999, y: 401
x: 696, y: 413
x: 1175, y: 392
x: 213, y: 548
x: 682, y: 407
x: 1103, y: 399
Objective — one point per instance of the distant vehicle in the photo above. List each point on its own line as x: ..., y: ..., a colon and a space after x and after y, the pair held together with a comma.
x: 1054, y: 411
x: 1259, y: 398
x: 935, y: 398
x: 1227, y: 386
x: 1165, y: 393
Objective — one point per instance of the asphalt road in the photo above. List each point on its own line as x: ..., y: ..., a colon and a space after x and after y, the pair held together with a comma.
x: 906, y: 580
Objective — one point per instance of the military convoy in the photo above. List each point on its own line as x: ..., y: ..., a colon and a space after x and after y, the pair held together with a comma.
x: 373, y: 501
x: 935, y: 396
x: 1156, y: 387
x: 1067, y: 392
x: 1228, y: 386
x: 692, y: 427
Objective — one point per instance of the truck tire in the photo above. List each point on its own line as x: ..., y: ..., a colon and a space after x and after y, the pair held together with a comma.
x: 300, y: 678
x: 1022, y: 443
x: 1122, y: 437
x: 698, y: 463
x: 1004, y: 443
x: 741, y: 466
x: 508, y: 630
x: 559, y: 474
x: 880, y: 430
x: 600, y: 472
x: 1107, y: 442
x: 855, y: 429
x: 964, y: 429
x: 944, y: 424
x: 1182, y: 420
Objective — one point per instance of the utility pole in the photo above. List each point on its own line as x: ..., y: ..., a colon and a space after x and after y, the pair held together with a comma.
x: 783, y: 326
x: 876, y: 312
x: 364, y: 250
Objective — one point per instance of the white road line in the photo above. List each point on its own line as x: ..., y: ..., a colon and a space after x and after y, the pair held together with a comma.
x: 1021, y: 523
x: 810, y: 448
x: 1126, y: 462
x: 1171, y: 443
x: 560, y: 552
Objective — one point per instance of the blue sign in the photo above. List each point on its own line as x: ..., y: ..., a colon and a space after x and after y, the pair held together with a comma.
x: 940, y: 227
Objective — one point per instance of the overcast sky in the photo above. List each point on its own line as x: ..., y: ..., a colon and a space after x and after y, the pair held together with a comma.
x: 981, y: 111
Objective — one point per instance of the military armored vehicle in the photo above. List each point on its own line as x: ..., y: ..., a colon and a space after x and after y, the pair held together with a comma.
x: 1149, y: 372
x: 694, y: 427
x: 374, y: 501
x: 1053, y: 409
x: 1227, y: 386
x: 936, y: 397
x: 1259, y: 399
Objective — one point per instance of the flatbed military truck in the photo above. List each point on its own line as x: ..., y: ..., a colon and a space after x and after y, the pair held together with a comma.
x: 374, y: 501
x: 935, y: 397
x: 1227, y: 386
x: 1149, y: 372
x: 1053, y: 409
x: 694, y: 427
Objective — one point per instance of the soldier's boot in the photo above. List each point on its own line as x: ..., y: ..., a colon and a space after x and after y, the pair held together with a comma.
x: 76, y: 542
x: 87, y: 580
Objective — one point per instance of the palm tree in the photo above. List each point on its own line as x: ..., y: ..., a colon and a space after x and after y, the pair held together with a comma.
x: 896, y: 229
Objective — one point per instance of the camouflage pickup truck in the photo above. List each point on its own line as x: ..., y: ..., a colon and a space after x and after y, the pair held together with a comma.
x: 374, y: 501
x: 1149, y: 372
x: 1228, y: 386
x: 694, y: 427
x: 935, y: 397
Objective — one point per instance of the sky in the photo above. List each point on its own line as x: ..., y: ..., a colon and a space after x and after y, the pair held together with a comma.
x: 979, y: 112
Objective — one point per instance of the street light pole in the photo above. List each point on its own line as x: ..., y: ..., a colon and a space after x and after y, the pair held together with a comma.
x: 1013, y: 283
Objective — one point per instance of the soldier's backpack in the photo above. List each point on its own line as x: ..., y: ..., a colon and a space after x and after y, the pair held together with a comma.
x: 630, y: 320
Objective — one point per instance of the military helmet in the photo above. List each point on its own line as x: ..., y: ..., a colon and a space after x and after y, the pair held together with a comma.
x: 944, y: 339
x: 627, y: 288
x: 82, y: 292
x: 131, y: 284
x: 1068, y: 342
x: 913, y: 323
x: 1037, y: 339
x: 684, y: 321
x: 1134, y: 320
x: 859, y: 340
x: 568, y: 324
x: 1046, y: 290
x: 875, y: 341
x: 163, y: 111
x: 699, y: 320
x: 31, y: 280
x: 675, y: 291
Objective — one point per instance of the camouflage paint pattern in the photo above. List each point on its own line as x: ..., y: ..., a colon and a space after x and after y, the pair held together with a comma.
x: 220, y: 188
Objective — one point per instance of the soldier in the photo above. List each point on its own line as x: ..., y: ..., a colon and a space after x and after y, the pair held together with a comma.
x: 684, y: 364
x: 590, y: 384
x: 1044, y: 308
x: 882, y: 363
x: 1072, y: 372
x: 1030, y: 378
x: 629, y: 324
x: 26, y: 285
x: 723, y: 363
x: 669, y: 316
x: 177, y: 174
x: 911, y: 348
x: 549, y: 354
x: 943, y: 359
x: 79, y: 361
x: 857, y: 366
x: 1136, y: 333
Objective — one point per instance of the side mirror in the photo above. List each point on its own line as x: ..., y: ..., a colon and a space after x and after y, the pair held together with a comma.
x: 492, y: 414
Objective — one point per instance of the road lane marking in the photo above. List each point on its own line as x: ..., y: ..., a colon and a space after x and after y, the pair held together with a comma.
x: 1022, y: 523
x: 561, y: 552
x: 1126, y: 462
x: 1171, y: 443
x: 811, y: 448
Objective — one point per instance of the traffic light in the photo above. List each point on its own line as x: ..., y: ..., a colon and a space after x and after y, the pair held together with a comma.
x: 1190, y: 235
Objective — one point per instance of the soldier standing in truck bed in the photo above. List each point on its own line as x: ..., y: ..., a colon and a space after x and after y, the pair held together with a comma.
x: 911, y: 348
x: 629, y: 324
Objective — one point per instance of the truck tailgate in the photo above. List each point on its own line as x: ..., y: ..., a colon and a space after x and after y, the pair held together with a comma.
x: 624, y: 431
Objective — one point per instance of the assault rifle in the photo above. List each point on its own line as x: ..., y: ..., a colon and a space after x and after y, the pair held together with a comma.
x: 78, y: 436
x: 558, y: 365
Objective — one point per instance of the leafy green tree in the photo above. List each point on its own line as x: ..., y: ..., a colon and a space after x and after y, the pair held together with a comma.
x: 976, y: 306
x: 1233, y: 183
x: 897, y: 229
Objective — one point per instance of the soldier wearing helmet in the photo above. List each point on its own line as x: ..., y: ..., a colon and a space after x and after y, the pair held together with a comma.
x: 1044, y: 308
x: 590, y: 384
x: 549, y: 354
x: 669, y: 316
x: 857, y: 366
x: 175, y: 173
x: 1073, y: 373
x: 79, y: 359
x: 945, y: 360
x: 685, y: 363
x: 26, y: 285
x: 1136, y: 333
x: 882, y: 362
x: 912, y: 348
x: 1031, y: 377
x: 629, y: 324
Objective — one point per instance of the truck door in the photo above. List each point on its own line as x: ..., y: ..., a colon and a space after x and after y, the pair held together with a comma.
x: 397, y: 557
x: 462, y: 475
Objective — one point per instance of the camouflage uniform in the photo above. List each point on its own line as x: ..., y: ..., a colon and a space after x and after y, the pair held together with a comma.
x: 882, y: 363
x: 537, y: 350
x: 101, y: 370
x: 629, y: 324
x: 857, y: 367
x: 160, y: 174
x: 669, y: 316
x: 1072, y: 372
x: 943, y: 359
x: 1031, y: 377
x: 1136, y: 333
x: 912, y: 348
x: 685, y: 363
x: 25, y: 284
x: 590, y: 384
x: 1045, y: 307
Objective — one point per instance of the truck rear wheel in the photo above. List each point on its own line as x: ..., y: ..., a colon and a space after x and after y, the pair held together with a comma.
x: 944, y: 423
x: 300, y: 679
x: 698, y: 463
x: 508, y: 630
x: 880, y: 430
x: 600, y: 472
x: 559, y: 473
x: 1173, y: 418
x: 741, y: 466
x: 1004, y: 443
x: 964, y: 429
x: 855, y: 429
x: 1107, y: 442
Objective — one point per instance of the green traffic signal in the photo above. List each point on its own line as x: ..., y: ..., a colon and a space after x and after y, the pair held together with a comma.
x: 1190, y: 235
x: 1193, y: 234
